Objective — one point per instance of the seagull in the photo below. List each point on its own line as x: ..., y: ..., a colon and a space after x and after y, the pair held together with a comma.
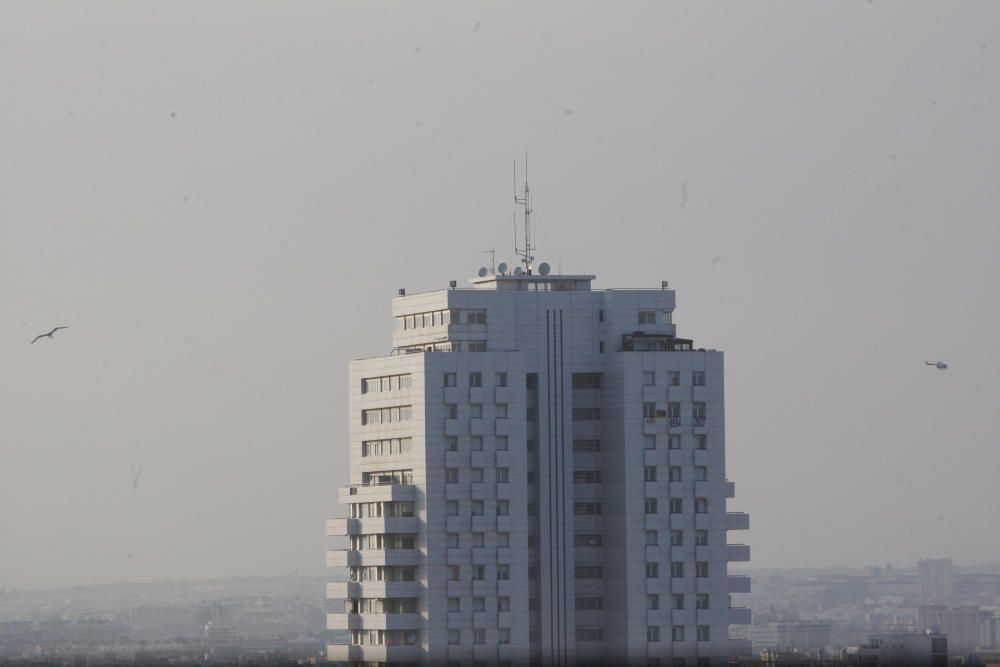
x: 48, y: 335
x: 940, y: 365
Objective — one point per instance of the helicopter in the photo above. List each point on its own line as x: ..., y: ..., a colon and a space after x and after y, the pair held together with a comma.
x: 940, y: 365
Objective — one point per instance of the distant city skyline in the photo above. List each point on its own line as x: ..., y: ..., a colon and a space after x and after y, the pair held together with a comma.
x: 217, y: 201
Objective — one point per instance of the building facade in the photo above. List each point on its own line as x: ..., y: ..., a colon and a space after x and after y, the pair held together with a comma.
x: 537, y: 475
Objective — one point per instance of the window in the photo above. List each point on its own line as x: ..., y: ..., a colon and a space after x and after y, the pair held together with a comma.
x: 676, y: 505
x: 674, y: 442
x: 451, y: 475
x: 450, y: 379
x: 478, y: 604
x: 478, y: 572
x: 503, y: 507
x: 677, y: 633
x: 451, y: 411
x: 452, y: 443
x: 600, y: 347
x: 503, y: 475
x: 501, y: 443
x: 589, y: 572
x: 701, y: 538
x: 586, y: 476
x: 500, y: 411
x: 650, y: 474
x: 647, y: 317
x: 476, y: 410
x: 452, y: 507
x: 649, y: 410
x: 675, y: 473
x: 700, y: 505
x: 454, y: 637
x: 674, y: 410
x: 704, y: 633
x: 478, y: 508
x: 700, y: 473
x: 476, y: 443
x: 701, y: 441
x: 652, y: 537
x: 587, y: 508
x: 500, y: 379
x: 677, y: 600
x: 454, y: 572
x: 650, y: 442
x: 698, y: 378
x: 531, y: 445
x: 586, y: 445
x: 650, y: 505
x: 675, y: 378
x: 452, y: 540
x: 530, y: 476
x: 586, y: 414
x: 587, y: 604
x: 702, y: 601
x: 589, y: 635
x: 475, y: 379
x: 478, y: 539
x: 478, y: 636
x: 531, y: 381
x: 503, y: 635
x: 677, y: 570
x: 454, y: 604
x: 588, y: 540
x: 477, y: 474
x: 503, y: 539
x: 476, y: 346
x: 586, y: 380
x: 652, y: 570
x: 648, y: 378
x: 652, y: 633
x: 503, y: 604
x: 676, y: 538
x: 652, y: 602
x: 503, y: 572
x: 701, y: 569
x: 475, y: 317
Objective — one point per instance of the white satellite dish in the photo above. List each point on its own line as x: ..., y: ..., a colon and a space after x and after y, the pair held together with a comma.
x: 482, y: 271
x: 502, y: 269
x: 544, y: 268
x: 518, y: 271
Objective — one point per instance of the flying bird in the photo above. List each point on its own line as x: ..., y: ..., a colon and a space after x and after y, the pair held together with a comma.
x: 940, y: 365
x: 47, y: 335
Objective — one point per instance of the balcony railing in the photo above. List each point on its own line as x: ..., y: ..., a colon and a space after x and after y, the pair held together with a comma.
x: 674, y: 422
x: 699, y: 420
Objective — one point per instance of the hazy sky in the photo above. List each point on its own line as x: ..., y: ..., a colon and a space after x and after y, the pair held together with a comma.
x: 220, y: 200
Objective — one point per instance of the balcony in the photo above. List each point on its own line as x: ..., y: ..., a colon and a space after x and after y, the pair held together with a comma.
x: 737, y: 521
x: 502, y: 426
x: 354, y: 558
x: 502, y: 395
x: 377, y: 491
x: 698, y: 421
x: 738, y: 583
x: 739, y: 616
x: 674, y: 423
x: 372, y: 653
x: 336, y: 590
x: 385, y: 524
x: 650, y: 426
x: 737, y: 553
x: 344, y: 621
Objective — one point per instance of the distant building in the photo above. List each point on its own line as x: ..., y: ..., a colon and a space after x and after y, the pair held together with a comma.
x: 910, y: 649
x: 961, y: 624
x: 764, y: 638
x: 989, y: 630
x: 803, y: 636
x: 538, y: 473
x: 936, y: 581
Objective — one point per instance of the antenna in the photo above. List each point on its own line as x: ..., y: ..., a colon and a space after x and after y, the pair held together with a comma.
x: 526, y: 257
x: 493, y: 259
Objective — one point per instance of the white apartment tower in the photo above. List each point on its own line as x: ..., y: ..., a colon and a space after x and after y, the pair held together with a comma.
x: 537, y: 476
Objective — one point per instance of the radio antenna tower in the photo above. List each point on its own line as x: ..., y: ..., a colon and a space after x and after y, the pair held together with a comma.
x: 525, y: 253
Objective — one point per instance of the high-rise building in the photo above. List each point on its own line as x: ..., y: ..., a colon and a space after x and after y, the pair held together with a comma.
x: 537, y: 474
x: 936, y: 580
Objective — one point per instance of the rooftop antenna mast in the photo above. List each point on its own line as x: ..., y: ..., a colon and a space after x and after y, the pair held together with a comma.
x: 526, y: 257
x: 493, y: 261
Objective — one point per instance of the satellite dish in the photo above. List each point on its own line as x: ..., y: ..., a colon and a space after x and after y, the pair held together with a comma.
x: 502, y: 268
x: 518, y: 271
x: 544, y: 268
x: 482, y: 271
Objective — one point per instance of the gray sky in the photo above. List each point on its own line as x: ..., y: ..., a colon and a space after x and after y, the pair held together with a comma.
x: 221, y: 199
